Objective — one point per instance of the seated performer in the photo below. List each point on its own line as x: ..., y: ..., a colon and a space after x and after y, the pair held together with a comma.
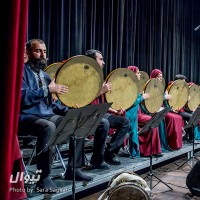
x: 112, y: 119
x: 40, y: 116
x: 140, y: 145
x: 187, y: 114
x: 173, y: 121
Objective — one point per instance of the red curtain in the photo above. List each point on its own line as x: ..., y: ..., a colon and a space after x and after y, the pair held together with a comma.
x: 13, y: 23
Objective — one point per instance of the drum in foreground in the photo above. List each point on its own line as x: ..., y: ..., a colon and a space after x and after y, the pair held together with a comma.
x: 143, y: 79
x: 179, y: 91
x: 155, y: 88
x: 127, y: 186
x: 124, y: 90
x: 84, y: 78
x: 51, y: 71
x: 194, y: 94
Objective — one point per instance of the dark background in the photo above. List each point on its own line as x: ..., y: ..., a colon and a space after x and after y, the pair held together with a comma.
x: 147, y: 33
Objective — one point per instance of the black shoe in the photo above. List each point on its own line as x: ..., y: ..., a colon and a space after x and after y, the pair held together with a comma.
x: 46, y: 186
x: 102, y: 166
x: 79, y: 176
x: 186, y: 137
x: 158, y: 155
x: 111, y: 158
x: 113, y: 161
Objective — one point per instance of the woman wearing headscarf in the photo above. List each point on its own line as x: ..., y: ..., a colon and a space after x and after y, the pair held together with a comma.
x: 173, y: 121
x: 187, y: 114
x: 140, y: 144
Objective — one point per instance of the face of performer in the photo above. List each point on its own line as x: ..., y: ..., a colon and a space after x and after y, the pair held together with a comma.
x: 160, y: 76
x: 25, y: 55
x: 138, y: 74
x: 38, y: 54
x: 99, y: 59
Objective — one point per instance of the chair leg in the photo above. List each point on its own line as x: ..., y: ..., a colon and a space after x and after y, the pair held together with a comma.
x: 31, y: 157
x: 61, y: 159
x: 25, y: 169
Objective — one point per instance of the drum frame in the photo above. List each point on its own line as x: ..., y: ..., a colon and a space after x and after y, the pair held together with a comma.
x: 87, y: 62
x: 120, y: 72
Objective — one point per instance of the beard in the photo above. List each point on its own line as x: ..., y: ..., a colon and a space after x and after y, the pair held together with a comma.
x: 40, y: 63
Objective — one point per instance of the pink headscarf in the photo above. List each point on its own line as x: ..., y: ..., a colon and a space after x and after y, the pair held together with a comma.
x: 155, y: 73
x: 133, y: 68
x: 190, y: 83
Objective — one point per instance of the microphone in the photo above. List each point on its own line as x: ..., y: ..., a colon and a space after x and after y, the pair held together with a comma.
x: 198, y: 27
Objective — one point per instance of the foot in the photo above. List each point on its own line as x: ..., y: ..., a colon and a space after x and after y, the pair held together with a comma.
x: 79, y: 176
x: 186, y: 137
x: 46, y: 186
x: 158, y: 155
x: 111, y: 158
x: 103, y: 166
x: 197, y: 141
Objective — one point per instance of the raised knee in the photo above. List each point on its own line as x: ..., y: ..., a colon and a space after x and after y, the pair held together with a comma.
x: 105, y: 123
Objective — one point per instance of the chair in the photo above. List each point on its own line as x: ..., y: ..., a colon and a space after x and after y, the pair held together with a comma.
x: 33, y: 145
x: 33, y: 142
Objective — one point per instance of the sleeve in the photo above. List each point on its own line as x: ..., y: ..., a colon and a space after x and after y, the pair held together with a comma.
x: 59, y: 109
x: 30, y: 93
x: 138, y: 100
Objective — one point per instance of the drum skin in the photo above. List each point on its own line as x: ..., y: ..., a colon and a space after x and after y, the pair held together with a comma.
x: 155, y: 88
x: 133, y: 189
x: 179, y: 91
x: 51, y: 71
x: 128, y: 191
x: 143, y: 79
x: 194, y: 94
x: 84, y: 79
x: 125, y: 86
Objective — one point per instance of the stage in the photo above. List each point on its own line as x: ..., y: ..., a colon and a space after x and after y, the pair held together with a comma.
x: 102, y: 177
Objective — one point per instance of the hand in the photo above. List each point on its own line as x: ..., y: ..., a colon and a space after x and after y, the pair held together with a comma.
x: 145, y: 95
x: 116, y: 112
x: 175, y: 111
x: 56, y: 88
x: 105, y: 88
x: 55, y: 99
x: 120, y: 111
x: 167, y: 95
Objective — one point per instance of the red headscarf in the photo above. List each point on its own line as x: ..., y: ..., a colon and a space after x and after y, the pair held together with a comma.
x: 133, y: 68
x: 155, y: 73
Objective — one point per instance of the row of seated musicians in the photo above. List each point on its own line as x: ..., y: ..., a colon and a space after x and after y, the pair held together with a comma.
x: 167, y: 137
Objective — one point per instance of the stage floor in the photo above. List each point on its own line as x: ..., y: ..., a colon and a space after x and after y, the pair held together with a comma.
x: 102, y: 177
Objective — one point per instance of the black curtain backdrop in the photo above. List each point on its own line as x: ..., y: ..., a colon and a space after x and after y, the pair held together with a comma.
x: 147, y: 33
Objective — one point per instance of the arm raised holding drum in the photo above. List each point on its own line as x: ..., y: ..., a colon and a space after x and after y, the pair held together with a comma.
x: 173, y: 121
x: 138, y: 148
x: 107, y: 87
x: 101, y: 150
x: 191, y: 105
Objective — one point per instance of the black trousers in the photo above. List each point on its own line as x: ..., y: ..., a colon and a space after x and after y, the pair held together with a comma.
x: 187, y: 116
x: 121, y: 124
x: 43, y: 129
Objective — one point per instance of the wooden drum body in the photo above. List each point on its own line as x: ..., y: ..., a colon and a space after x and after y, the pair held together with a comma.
x: 51, y: 71
x: 156, y: 90
x: 143, y: 79
x: 83, y: 77
x: 179, y: 91
x: 194, y: 97
x: 128, y: 186
x: 124, y: 90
